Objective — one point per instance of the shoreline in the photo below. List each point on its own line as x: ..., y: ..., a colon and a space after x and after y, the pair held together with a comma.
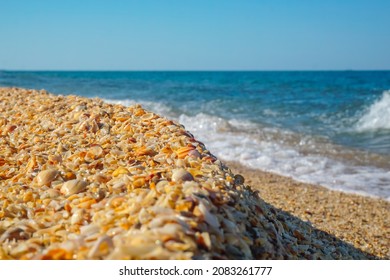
x: 83, y: 179
x: 359, y: 220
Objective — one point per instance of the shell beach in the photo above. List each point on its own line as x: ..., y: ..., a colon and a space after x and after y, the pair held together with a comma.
x: 83, y: 179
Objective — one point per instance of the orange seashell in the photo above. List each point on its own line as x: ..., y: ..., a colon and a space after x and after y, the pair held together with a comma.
x: 183, y: 152
x: 139, y: 183
x: 142, y: 151
x: 195, y: 172
x: 57, y: 254
x: 120, y: 170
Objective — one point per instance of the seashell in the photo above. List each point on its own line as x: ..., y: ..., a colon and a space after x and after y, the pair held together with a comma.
x: 209, y: 218
x: 94, y: 152
x: 101, y: 247
x: 160, y: 185
x: 147, y: 116
x: 80, y: 108
x: 90, y: 229
x: 195, y: 172
x: 238, y: 179
x: 47, y: 125
x: 102, y: 178
x: 180, y: 163
x: 55, y: 158
x: 181, y: 174
x: 24, y: 248
x: 68, y: 175
x: 160, y: 158
x: 138, y: 183
x: 120, y: 170
x: 183, y: 152
x: 45, y: 177
x: 77, y: 114
x: 28, y: 196
x: 77, y: 216
x: 194, y: 153
x: 168, y: 231
x: 114, y: 231
x: 142, y: 151
x: 73, y: 186
x: 204, y: 240
x: 57, y: 254
x: 178, y: 246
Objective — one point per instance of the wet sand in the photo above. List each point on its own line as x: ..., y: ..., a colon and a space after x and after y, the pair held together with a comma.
x: 364, y: 222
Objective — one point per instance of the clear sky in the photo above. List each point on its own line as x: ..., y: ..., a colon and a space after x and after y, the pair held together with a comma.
x: 194, y: 34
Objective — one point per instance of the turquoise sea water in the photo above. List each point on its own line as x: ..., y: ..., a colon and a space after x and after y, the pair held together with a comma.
x: 328, y: 128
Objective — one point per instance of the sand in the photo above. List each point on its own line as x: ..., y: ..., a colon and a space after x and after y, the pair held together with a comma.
x: 361, y: 221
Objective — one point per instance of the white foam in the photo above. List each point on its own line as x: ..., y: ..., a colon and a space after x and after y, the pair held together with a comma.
x: 377, y: 115
x: 273, y: 156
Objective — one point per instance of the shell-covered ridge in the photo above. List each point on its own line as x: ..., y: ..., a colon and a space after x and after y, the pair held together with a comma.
x: 83, y: 179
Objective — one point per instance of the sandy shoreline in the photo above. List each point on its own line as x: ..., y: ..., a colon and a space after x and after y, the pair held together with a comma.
x: 362, y: 221
x: 83, y: 179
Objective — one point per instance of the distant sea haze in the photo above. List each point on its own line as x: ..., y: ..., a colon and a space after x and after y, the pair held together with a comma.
x: 327, y: 128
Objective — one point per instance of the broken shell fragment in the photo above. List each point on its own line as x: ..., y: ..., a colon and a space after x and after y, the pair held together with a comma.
x: 77, y: 216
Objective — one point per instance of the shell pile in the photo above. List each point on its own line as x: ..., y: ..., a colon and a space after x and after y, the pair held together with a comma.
x: 82, y: 179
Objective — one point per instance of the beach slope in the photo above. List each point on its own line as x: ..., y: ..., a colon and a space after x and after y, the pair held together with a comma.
x: 82, y: 179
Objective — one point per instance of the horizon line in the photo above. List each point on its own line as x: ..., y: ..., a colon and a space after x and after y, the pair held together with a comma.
x: 190, y: 70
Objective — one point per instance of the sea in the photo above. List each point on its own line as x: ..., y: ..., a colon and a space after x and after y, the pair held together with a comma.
x: 330, y: 128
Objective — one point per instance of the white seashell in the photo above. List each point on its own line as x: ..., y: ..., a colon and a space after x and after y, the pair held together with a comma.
x: 169, y: 229
x: 160, y: 185
x: 181, y: 174
x: 160, y: 158
x: 180, y: 163
x: 99, y: 249
x: 159, y: 221
x: 90, y: 229
x: 147, y: 116
x: 209, y: 218
x: 73, y: 186
x: 77, y: 217
x: 95, y: 152
x: 46, y: 176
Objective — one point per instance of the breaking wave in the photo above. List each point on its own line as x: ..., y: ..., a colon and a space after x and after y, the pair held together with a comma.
x: 377, y: 116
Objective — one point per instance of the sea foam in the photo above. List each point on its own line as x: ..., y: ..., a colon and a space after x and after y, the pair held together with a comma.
x: 377, y: 116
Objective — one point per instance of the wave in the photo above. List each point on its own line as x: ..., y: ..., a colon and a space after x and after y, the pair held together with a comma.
x: 377, y: 116
x: 302, y: 157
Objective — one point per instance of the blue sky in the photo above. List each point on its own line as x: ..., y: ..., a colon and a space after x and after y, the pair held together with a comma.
x: 194, y: 35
